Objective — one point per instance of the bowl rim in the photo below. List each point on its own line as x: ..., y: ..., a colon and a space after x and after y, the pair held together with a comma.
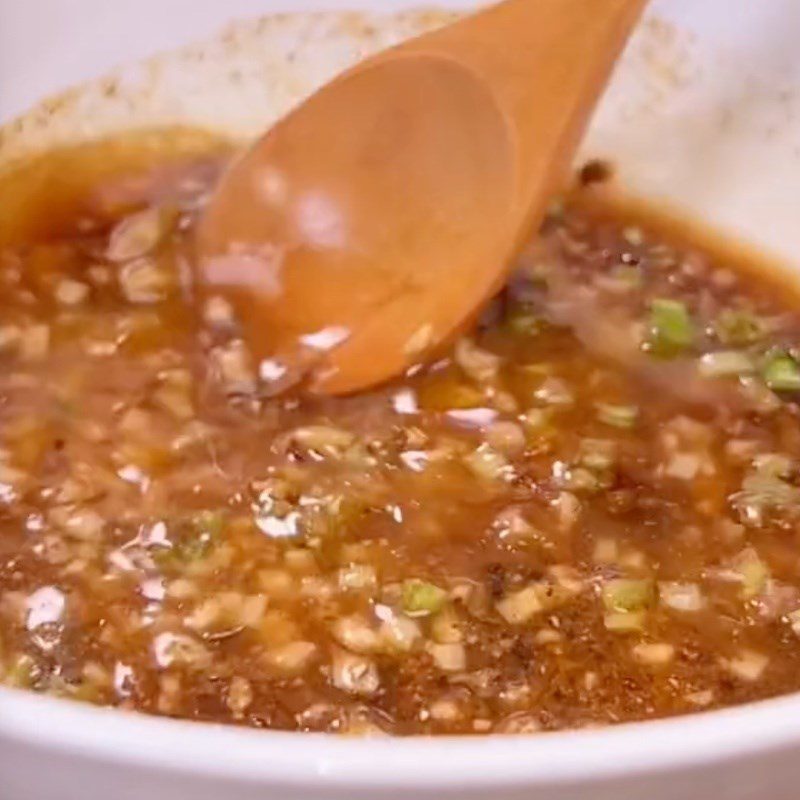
x: 135, y: 740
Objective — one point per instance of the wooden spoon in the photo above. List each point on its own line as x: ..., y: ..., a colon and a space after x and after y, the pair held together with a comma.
x: 369, y: 227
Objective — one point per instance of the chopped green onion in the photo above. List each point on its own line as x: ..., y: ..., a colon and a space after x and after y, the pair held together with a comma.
x: 781, y: 372
x: 628, y: 594
x: 198, y: 537
x: 671, y: 328
x: 753, y: 571
x: 726, y: 363
x: 739, y: 327
x: 617, y: 416
x: 624, y: 621
x: 421, y: 598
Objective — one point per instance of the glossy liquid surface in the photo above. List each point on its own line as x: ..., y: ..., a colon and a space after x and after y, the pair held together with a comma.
x: 586, y: 513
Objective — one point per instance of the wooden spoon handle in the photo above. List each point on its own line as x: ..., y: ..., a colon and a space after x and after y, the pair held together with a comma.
x: 546, y: 68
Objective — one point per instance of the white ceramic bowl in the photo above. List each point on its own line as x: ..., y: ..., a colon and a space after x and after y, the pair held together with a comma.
x: 704, y: 112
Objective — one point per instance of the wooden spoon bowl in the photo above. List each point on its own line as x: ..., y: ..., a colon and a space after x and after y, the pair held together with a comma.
x: 367, y: 228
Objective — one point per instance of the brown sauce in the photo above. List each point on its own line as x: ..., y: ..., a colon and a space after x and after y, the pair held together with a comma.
x: 585, y: 513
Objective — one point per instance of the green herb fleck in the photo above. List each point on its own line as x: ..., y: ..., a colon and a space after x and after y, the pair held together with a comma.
x: 753, y: 571
x: 524, y: 323
x: 628, y: 594
x: 421, y: 598
x: 195, y: 540
x: 671, y: 328
x: 739, y: 328
x: 781, y: 372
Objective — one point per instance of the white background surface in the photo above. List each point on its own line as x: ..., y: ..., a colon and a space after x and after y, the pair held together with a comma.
x: 48, y: 45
